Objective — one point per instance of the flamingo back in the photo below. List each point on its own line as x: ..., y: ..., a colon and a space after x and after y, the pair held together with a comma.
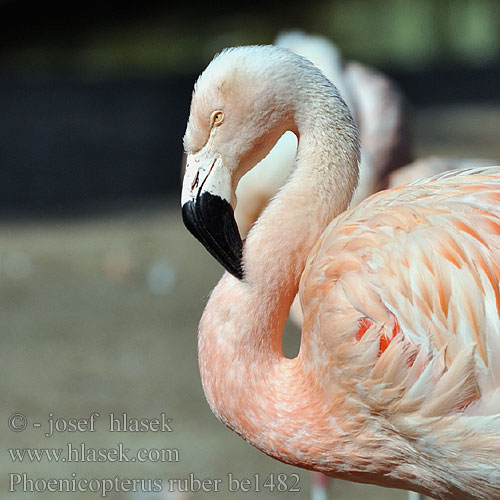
x: 406, y: 317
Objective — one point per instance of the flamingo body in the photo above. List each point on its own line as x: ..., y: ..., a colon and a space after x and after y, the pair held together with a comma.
x: 384, y: 118
x: 420, y: 264
x: 397, y: 381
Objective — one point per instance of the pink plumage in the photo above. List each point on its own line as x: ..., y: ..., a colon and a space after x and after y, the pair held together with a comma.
x: 397, y: 381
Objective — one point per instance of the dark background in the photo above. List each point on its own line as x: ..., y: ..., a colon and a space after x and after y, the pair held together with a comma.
x: 95, y: 97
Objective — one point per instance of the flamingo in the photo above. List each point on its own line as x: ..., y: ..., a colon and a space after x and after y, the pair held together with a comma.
x: 397, y: 381
x: 384, y: 119
x: 378, y: 107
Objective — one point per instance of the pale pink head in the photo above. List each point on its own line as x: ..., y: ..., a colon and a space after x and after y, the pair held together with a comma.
x: 242, y: 103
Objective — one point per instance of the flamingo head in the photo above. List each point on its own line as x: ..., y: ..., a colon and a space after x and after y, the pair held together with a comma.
x: 239, y: 109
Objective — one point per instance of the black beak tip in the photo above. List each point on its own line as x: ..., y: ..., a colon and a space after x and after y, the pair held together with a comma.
x: 210, y: 219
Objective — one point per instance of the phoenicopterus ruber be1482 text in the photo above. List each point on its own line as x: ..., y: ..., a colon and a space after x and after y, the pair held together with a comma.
x: 398, y: 375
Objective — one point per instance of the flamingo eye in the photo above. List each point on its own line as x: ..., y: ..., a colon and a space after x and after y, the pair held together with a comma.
x: 217, y: 117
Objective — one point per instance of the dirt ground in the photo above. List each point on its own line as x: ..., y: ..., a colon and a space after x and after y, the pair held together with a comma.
x: 99, y: 314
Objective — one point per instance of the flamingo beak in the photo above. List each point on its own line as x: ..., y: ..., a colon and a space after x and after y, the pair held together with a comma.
x: 207, y: 212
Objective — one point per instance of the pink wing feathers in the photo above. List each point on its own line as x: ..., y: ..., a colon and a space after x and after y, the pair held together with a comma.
x: 407, y: 284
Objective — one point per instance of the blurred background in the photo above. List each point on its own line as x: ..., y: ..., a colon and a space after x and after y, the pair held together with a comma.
x: 101, y: 287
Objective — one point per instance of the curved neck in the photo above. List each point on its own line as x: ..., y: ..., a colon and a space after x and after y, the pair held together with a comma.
x: 245, y: 375
x: 319, y: 188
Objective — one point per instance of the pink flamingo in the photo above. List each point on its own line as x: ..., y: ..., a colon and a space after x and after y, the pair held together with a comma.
x: 397, y: 382
x: 382, y: 114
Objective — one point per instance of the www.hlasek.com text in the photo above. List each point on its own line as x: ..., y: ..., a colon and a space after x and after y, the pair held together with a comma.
x: 82, y: 453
